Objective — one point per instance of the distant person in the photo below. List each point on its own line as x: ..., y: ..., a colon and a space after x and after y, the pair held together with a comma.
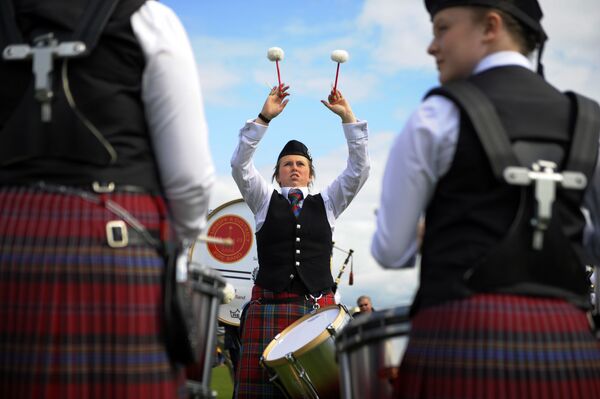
x: 501, y: 309
x: 294, y: 231
x: 103, y: 166
x: 365, y: 306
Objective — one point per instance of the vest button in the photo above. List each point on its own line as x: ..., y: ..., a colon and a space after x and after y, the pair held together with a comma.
x: 297, y: 239
x: 291, y: 276
x: 297, y: 252
x: 298, y: 264
x: 297, y: 226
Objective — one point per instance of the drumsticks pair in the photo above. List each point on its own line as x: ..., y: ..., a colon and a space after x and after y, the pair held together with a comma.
x: 276, y: 54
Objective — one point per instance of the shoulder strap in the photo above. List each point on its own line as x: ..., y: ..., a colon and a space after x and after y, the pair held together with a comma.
x: 584, y: 148
x: 486, y: 122
x: 93, y: 21
x: 10, y: 30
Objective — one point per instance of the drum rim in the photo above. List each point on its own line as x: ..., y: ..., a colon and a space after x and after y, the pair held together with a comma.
x: 318, y: 340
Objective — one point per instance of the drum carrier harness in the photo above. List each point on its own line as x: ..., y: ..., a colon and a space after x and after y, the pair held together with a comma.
x: 46, y: 48
x: 525, y: 164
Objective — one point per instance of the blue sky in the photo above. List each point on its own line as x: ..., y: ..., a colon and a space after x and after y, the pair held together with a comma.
x: 385, y: 78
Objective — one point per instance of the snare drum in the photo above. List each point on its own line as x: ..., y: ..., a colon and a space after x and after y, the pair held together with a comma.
x: 203, y: 292
x: 301, y: 359
x: 370, y: 350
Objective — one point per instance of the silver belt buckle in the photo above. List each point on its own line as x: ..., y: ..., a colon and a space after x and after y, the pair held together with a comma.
x: 116, y: 234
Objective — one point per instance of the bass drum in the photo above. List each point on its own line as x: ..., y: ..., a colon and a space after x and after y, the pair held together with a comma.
x: 236, y: 263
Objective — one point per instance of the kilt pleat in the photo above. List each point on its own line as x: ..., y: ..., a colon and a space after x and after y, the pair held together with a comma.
x: 501, y: 346
x: 79, y: 319
x: 262, y: 323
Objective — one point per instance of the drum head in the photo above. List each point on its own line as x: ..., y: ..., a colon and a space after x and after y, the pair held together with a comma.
x: 306, y: 330
x: 237, y: 262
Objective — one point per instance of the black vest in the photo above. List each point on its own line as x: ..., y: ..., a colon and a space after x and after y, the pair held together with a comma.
x: 106, y: 89
x: 475, y: 226
x: 290, y: 248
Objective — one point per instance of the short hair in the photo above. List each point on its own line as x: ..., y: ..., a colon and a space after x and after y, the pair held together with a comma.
x: 362, y: 297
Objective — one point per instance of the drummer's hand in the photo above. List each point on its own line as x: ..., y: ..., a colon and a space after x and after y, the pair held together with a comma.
x: 274, y: 104
x: 340, y: 106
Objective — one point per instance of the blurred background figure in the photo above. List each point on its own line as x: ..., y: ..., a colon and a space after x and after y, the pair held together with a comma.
x: 365, y: 305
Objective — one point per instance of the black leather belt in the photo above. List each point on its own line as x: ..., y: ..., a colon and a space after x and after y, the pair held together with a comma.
x: 95, y: 187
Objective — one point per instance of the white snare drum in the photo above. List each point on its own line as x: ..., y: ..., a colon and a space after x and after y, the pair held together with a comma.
x: 237, y: 262
x: 301, y: 359
x: 370, y: 350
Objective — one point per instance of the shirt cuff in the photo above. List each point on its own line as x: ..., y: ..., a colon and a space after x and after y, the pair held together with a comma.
x: 253, y: 130
x: 355, y: 131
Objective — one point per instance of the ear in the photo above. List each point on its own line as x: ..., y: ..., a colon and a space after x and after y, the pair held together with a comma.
x: 493, y: 24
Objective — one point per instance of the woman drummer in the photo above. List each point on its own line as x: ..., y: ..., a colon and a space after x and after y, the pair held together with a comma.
x: 293, y: 232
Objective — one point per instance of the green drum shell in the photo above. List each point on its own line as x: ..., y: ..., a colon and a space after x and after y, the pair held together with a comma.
x: 317, y: 358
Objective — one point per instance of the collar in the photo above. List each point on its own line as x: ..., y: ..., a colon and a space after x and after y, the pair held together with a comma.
x: 502, y: 58
x: 286, y: 190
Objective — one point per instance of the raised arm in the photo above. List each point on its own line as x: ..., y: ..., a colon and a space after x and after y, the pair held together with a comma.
x: 253, y: 187
x: 341, y: 191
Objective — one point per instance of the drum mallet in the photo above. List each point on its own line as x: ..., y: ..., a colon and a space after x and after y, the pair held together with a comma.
x: 339, y: 56
x: 276, y: 54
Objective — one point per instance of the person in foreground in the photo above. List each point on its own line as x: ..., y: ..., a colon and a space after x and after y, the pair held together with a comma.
x: 501, y: 310
x: 293, y: 232
x: 97, y: 167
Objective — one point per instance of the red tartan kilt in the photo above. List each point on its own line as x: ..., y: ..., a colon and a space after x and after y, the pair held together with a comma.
x: 500, y: 347
x: 80, y: 319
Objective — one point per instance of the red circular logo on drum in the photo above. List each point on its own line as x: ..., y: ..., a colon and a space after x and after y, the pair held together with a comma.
x: 236, y: 228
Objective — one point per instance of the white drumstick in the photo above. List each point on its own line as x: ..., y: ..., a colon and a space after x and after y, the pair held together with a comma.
x: 215, y: 240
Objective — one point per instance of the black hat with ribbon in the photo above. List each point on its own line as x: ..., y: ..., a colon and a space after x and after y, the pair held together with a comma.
x: 294, y: 147
x: 527, y: 12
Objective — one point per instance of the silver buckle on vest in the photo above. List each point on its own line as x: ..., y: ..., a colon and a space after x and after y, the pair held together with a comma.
x: 544, y: 174
x: 116, y: 234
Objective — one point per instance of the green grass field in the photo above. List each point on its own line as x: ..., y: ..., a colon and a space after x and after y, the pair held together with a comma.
x: 221, y: 382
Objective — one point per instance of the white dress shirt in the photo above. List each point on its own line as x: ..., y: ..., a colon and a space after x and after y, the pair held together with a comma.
x: 257, y: 192
x: 422, y: 154
x: 175, y: 116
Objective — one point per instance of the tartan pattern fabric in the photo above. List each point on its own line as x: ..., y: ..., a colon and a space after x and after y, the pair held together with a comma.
x: 295, y: 196
x: 79, y: 319
x: 262, y: 323
x: 500, y: 346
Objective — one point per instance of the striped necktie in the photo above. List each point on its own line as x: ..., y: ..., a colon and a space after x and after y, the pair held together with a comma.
x: 295, y: 196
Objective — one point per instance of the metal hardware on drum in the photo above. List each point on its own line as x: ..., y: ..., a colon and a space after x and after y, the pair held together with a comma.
x: 301, y: 359
x: 370, y: 349
x: 204, y: 291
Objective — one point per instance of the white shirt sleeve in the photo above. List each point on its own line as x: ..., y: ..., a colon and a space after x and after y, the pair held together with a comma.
x: 175, y: 114
x: 339, y: 193
x: 254, y: 188
x: 420, y: 155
